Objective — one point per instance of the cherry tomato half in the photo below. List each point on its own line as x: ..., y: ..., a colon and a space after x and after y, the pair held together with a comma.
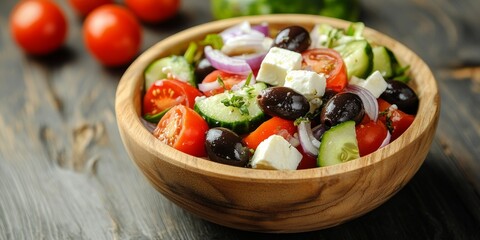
x: 328, y: 62
x: 38, y: 26
x: 229, y: 80
x: 183, y: 129
x: 274, y: 125
x: 84, y: 7
x: 396, y: 120
x: 112, y: 34
x: 370, y: 136
x: 153, y: 11
x: 166, y: 93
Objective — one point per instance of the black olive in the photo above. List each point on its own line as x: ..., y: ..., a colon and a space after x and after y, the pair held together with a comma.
x: 293, y: 38
x: 341, y: 108
x: 329, y: 93
x: 202, y: 69
x: 225, y: 146
x: 283, y: 102
x: 402, y: 95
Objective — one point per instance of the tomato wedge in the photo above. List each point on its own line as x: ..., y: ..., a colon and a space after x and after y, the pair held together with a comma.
x: 396, y: 120
x: 166, y: 93
x: 229, y: 80
x: 183, y: 129
x: 308, y: 161
x: 370, y: 136
x: 328, y: 62
x: 274, y: 125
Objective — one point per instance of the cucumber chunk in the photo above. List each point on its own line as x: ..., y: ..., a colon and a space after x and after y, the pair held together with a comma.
x: 220, y: 111
x: 177, y: 66
x: 339, y: 144
x: 382, y: 61
x: 358, y: 58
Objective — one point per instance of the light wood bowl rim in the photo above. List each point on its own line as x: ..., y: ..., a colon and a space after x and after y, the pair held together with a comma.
x: 128, y: 114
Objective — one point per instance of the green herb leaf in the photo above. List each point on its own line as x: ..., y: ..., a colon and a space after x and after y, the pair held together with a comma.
x: 220, y: 81
x: 238, y: 102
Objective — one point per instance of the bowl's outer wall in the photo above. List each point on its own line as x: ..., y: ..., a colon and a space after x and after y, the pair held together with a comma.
x: 276, y: 201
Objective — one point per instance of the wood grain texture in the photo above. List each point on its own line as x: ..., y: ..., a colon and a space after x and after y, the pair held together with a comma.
x: 64, y: 173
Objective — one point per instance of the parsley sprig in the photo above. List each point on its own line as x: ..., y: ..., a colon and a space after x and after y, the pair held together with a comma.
x: 237, y: 102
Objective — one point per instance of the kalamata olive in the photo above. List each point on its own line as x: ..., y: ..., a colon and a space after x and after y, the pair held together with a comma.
x: 329, y: 93
x: 202, y: 69
x: 225, y: 146
x: 294, y: 38
x: 283, y: 102
x: 341, y: 108
x: 402, y: 95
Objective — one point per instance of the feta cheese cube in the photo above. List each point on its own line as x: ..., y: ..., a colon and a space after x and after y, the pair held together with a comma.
x: 375, y: 83
x: 276, y: 64
x: 276, y: 153
x: 309, y: 83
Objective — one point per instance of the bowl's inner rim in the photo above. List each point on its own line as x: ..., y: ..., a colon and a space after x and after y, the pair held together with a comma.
x: 171, y: 45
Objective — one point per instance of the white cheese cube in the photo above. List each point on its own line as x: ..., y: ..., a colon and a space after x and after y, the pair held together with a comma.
x: 276, y: 64
x: 276, y: 153
x: 309, y: 83
x: 375, y: 83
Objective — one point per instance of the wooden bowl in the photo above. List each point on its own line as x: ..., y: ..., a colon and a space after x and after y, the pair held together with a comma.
x: 267, y: 200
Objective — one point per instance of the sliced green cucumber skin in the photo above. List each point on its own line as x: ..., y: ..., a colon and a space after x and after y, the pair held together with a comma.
x: 333, y: 145
x: 179, y: 65
x: 382, y: 61
x: 218, y: 115
x: 358, y: 58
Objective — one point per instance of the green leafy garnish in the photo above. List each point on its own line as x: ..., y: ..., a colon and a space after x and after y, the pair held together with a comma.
x: 220, y: 81
x: 238, y: 102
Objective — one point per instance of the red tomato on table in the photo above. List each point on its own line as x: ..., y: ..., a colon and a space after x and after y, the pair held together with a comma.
x: 229, y: 80
x: 183, y: 129
x: 153, y: 11
x: 328, y: 62
x: 370, y: 136
x: 274, y: 125
x: 112, y: 34
x: 166, y: 93
x: 84, y: 7
x: 38, y: 26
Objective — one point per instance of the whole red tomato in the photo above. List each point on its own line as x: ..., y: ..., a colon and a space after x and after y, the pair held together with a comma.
x: 38, y: 26
x: 112, y: 34
x: 84, y: 7
x: 153, y: 11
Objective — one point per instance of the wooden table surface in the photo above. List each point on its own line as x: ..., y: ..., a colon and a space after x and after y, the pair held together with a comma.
x: 64, y: 173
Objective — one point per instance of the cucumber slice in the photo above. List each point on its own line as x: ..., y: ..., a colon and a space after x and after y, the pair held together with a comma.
x: 382, y: 61
x: 177, y: 66
x: 217, y: 111
x: 339, y: 144
x: 358, y: 58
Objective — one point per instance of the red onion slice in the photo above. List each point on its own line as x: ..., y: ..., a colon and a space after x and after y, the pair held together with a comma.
x: 254, y: 59
x: 263, y: 28
x: 386, y: 141
x: 246, y: 43
x: 205, y: 87
x: 309, y: 143
x: 369, y: 101
x: 241, y: 28
x: 225, y: 63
